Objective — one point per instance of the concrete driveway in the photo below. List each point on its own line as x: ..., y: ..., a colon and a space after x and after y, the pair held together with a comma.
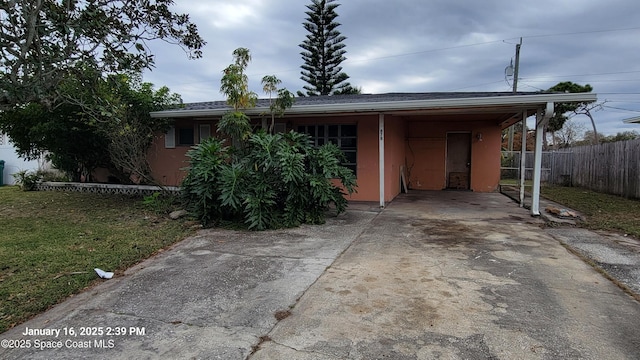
x: 436, y: 275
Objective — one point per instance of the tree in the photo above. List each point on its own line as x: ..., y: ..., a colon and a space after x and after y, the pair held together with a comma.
x: 569, y: 135
x: 517, y: 138
x: 622, y: 136
x: 324, y: 51
x: 130, y: 129
x: 43, y: 42
x: 115, y: 137
x: 348, y: 90
x: 235, y: 86
x: 589, y: 137
x: 561, y: 109
x: 284, y: 100
x: 64, y: 134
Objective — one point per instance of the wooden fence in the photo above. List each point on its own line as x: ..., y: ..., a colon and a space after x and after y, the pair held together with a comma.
x: 612, y: 168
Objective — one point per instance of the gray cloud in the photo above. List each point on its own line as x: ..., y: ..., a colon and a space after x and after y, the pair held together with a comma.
x: 420, y: 46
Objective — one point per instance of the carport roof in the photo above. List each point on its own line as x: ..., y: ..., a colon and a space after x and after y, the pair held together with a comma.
x: 435, y: 102
x: 633, y: 120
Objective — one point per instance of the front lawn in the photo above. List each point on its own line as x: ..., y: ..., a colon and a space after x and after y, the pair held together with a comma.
x: 50, y: 242
x: 603, y: 212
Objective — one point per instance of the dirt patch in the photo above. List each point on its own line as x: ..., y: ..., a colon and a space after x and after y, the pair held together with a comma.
x: 445, y: 232
x: 282, y: 314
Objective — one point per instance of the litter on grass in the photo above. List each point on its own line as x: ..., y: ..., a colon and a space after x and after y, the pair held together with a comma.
x: 103, y: 274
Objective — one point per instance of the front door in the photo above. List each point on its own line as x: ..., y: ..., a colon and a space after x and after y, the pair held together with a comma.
x: 458, y: 161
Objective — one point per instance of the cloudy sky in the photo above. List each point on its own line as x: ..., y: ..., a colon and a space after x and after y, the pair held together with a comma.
x: 425, y: 46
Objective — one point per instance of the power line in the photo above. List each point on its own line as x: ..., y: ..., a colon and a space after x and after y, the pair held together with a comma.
x: 580, y: 32
x: 490, y: 42
x: 617, y: 108
x: 422, y: 52
x: 593, y: 74
x: 591, y: 81
x: 472, y: 86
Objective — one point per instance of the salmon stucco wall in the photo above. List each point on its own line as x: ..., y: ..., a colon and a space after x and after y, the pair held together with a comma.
x: 166, y: 164
x: 485, y: 157
x: 394, y: 155
x: 426, y: 153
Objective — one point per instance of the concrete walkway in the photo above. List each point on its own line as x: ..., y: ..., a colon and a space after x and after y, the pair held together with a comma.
x: 436, y: 275
x: 212, y: 296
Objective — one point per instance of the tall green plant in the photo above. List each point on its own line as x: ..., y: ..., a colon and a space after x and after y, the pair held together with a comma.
x: 200, y: 188
x: 235, y: 86
x: 280, y: 181
x: 281, y: 103
x: 263, y: 180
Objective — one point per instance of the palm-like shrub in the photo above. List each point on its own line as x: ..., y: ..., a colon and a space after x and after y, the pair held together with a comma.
x: 274, y: 181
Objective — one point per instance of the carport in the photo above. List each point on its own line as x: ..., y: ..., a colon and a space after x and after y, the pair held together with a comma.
x: 480, y: 117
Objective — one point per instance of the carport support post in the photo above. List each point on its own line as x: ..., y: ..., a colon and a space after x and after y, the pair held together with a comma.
x: 541, y: 122
x: 381, y: 158
x: 523, y: 157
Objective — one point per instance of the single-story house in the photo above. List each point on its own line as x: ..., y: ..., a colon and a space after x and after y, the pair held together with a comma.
x: 14, y: 163
x: 425, y: 141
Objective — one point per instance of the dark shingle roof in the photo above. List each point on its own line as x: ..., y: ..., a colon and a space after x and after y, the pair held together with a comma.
x: 360, y: 98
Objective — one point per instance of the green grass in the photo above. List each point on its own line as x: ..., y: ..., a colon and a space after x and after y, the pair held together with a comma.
x: 50, y: 242
x: 516, y: 182
x: 603, y: 212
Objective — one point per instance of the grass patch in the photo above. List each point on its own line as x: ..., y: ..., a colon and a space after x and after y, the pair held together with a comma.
x: 603, y: 211
x: 50, y: 242
x: 516, y: 182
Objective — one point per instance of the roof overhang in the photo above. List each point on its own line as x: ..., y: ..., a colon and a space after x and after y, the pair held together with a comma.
x: 633, y: 120
x: 503, y: 104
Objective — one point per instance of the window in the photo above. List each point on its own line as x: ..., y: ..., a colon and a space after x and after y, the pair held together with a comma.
x: 185, y: 136
x: 205, y: 131
x: 170, y: 138
x: 280, y: 128
x: 344, y: 136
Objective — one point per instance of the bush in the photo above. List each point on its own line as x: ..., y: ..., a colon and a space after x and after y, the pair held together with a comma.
x: 26, y: 179
x: 160, y: 202
x: 52, y: 175
x: 272, y: 181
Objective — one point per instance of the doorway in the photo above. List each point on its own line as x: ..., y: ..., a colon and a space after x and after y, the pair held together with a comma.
x: 458, y: 161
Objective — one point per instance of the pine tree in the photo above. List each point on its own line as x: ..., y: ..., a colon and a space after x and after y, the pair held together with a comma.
x: 324, y: 51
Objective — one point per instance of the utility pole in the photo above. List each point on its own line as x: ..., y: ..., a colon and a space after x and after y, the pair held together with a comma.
x: 515, y: 90
x: 516, y: 67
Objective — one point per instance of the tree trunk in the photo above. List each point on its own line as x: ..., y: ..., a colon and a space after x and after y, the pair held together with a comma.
x: 596, y: 137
